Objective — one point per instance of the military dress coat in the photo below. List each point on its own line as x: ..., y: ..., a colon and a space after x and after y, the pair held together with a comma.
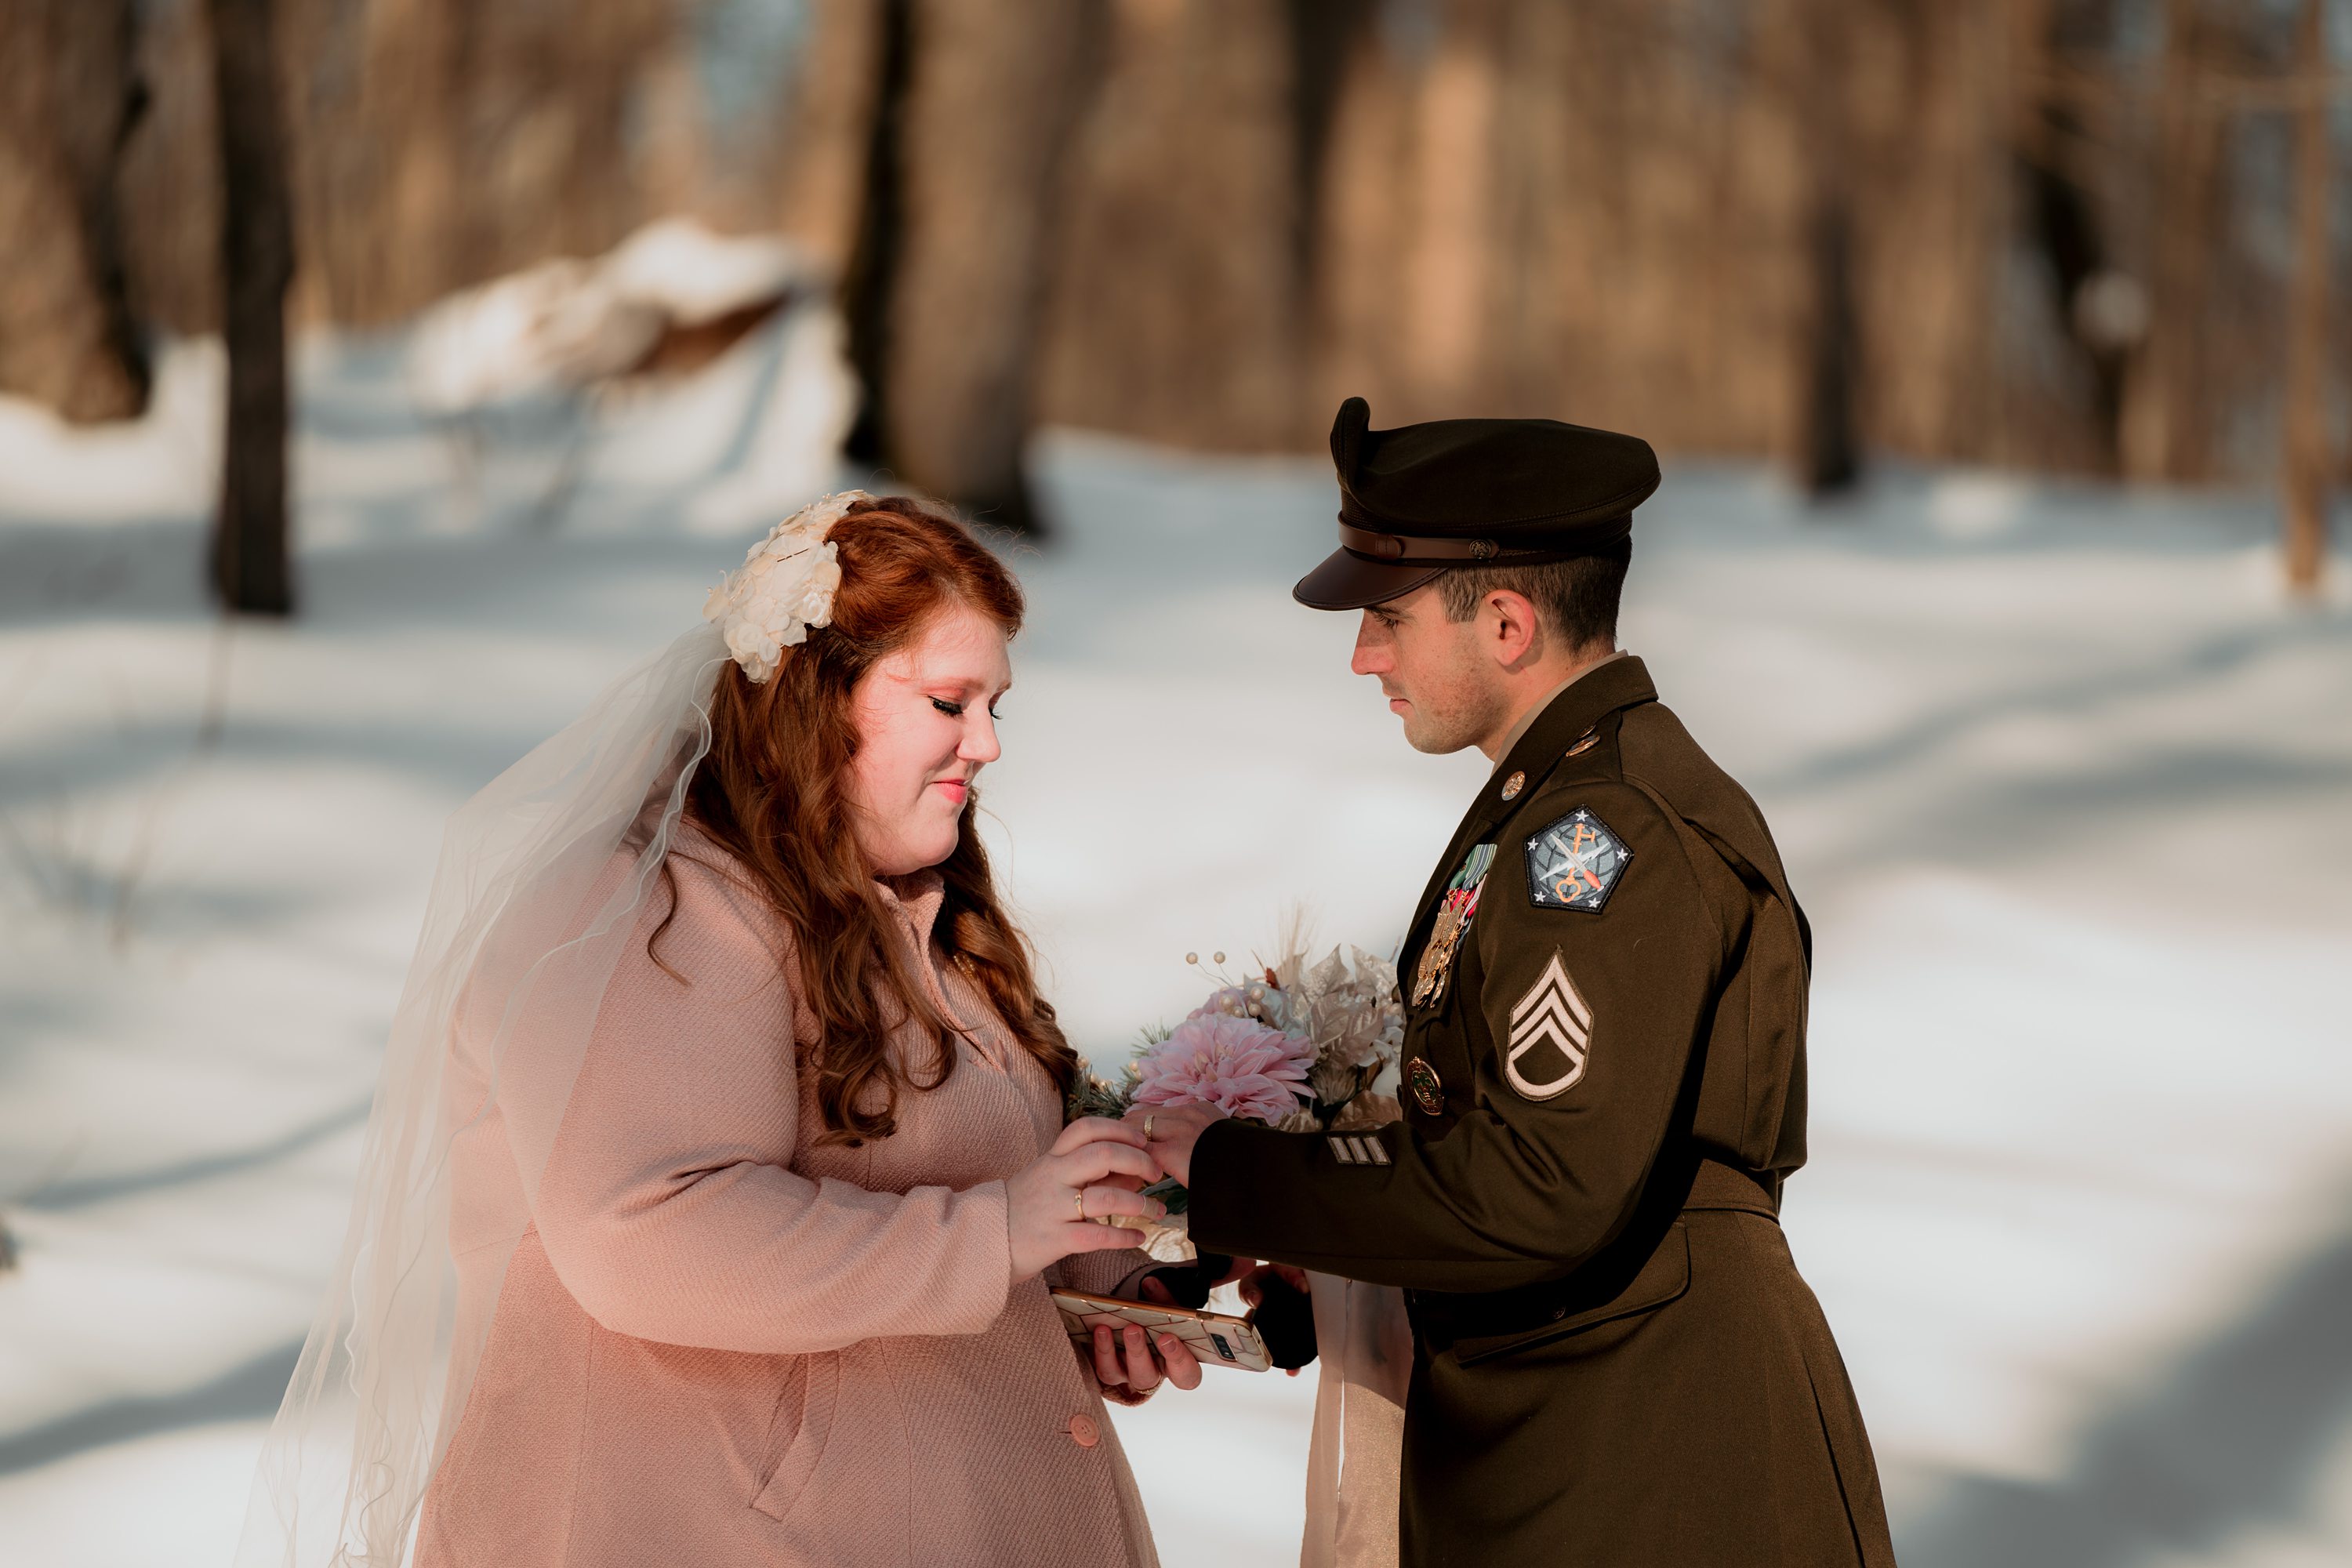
x: 1615, y: 1360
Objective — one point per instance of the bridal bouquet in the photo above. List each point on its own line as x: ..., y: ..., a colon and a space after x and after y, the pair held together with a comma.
x: 1293, y: 1045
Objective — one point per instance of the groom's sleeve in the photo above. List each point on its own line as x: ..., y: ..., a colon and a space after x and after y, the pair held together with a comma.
x: 1574, y: 1052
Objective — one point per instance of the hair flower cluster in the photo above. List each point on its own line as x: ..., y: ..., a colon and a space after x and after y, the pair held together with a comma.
x: 785, y: 587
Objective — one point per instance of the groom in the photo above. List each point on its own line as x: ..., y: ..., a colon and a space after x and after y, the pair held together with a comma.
x: 1603, y: 1073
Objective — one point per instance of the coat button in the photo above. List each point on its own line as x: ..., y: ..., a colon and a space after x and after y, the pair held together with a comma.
x: 1084, y: 1432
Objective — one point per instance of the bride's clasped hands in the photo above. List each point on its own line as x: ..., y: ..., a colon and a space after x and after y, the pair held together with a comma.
x: 1067, y: 1204
x: 1055, y: 1204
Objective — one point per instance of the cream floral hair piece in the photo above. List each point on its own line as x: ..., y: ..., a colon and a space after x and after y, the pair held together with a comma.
x: 785, y: 587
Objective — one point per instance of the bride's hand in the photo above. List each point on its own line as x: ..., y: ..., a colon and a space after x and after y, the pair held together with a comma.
x: 1053, y: 1202
x: 1129, y: 1380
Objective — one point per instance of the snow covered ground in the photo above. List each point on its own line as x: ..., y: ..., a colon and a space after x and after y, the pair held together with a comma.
x: 2063, y: 781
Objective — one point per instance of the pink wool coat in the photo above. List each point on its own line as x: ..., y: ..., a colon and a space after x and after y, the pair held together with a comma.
x: 722, y: 1342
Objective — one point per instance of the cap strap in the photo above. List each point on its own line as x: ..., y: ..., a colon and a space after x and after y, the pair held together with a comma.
x: 1425, y: 552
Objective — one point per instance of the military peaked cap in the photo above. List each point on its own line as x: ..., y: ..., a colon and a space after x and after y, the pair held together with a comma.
x: 1420, y: 499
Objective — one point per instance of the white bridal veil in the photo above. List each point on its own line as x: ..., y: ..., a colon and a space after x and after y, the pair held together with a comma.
x: 539, y: 881
x: 1363, y: 1345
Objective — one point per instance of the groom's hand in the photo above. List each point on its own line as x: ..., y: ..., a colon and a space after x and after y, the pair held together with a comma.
x: 1253, y: 1280
x: 1287, y: 1340
x: 1173, y: 1131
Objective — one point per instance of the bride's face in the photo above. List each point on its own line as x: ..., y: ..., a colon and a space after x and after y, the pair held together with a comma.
x: 926, y: 726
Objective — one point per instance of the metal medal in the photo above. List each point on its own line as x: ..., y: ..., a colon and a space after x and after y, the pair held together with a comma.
x: 1436, y: 955
x: 1452, y: 922
x: 1427, y: 1091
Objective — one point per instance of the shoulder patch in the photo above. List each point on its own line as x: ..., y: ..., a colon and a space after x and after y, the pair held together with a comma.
x: 1552, y: 1036
x: 1575, y: 864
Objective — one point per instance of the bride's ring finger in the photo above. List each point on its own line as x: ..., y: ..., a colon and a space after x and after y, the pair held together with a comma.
x: 1079, y: 1197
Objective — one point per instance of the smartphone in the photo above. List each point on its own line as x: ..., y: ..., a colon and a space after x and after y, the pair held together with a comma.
x: 1217, y: 1339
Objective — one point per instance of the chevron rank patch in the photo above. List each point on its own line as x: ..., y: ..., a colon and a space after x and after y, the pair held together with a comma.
x: 1575, y: 864
x: 1552, y: 1036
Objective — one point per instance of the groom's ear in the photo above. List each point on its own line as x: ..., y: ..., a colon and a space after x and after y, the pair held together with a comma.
x: 1509, y: 629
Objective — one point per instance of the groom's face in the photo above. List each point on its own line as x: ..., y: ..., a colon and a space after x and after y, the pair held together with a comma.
x: 1432, y: 670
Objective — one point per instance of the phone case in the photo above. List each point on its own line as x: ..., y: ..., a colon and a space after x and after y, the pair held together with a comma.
x: 1217, y: 1339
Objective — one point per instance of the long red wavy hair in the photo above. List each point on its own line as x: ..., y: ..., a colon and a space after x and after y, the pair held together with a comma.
x: 771, y: 792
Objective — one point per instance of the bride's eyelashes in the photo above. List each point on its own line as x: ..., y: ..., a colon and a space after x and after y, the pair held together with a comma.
x: 955, y: 710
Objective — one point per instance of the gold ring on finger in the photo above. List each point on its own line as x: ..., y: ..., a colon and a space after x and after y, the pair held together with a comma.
x: 1079, y: 1197
x: 1148, y: 1120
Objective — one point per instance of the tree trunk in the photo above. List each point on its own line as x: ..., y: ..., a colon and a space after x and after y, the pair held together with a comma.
x: 993, y: 94
x: 1831, y: 462
x: 1323, y: 37
x: 2305, y: 420
x: 69, y: 99
x: 1829, y: 455
x: 250, y: 568
x: 830, y: 149
x: 869, y: 282
x: 2164, y: 424
x: 1175, y: 307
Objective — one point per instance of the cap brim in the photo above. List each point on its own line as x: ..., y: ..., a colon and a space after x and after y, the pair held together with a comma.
x: 1348, y: 581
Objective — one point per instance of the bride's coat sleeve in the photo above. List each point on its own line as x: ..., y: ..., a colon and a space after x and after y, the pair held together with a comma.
x: 668, y: 1205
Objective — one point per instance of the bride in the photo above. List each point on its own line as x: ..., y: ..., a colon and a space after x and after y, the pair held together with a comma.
x: 719, y: 1167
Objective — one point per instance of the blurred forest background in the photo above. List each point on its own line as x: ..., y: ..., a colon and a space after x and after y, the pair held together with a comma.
x: 2089, y: 236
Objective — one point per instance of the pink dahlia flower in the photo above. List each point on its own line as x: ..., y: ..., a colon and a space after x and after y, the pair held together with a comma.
x: 1237, y: 1065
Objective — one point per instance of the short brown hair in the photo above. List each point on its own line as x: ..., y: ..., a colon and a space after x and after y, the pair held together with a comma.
x: 1577, y: 598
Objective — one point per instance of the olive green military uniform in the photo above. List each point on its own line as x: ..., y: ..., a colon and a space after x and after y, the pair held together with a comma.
x: 1616, y: 1361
